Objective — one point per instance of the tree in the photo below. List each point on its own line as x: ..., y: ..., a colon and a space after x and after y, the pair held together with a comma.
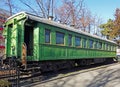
x: 70, y: 12
x: 74, y: 12
x: 116, y: 29
x: 43, y: 8
x: 85, y: 20
x: 66, y: 13
x: 9, y: 5
x: 96, y: 22
x: 111, y: 29
x: 107, y: 28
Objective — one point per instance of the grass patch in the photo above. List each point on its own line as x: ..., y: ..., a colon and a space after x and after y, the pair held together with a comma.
x: 4, y: 83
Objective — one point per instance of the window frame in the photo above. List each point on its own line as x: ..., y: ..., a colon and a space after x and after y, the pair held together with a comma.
x: 49, y: 39
x: 84, y: 43
x: 58, y: 41
x: 100, y: 45
x: 69, y: 39
x: 91, y: 44
x: 78, y: 39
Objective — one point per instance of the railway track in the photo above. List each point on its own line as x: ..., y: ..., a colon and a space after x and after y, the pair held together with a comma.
x: 51, y: 76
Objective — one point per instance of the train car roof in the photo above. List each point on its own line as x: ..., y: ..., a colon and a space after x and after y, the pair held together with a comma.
x: 63, y: 26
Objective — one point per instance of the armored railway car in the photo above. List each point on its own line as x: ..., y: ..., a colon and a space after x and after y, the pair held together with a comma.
x: 39, y: 42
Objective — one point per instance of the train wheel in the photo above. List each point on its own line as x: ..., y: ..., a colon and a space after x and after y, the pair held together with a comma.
x: 89, y: 61
x: 72, y: 64
x: 55, y: 68
x: 83, y: 62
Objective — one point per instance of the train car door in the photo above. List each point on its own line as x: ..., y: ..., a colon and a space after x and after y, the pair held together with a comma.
x: 28, y: 39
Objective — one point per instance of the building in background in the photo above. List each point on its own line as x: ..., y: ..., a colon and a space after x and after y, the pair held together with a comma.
x: 3, y: 16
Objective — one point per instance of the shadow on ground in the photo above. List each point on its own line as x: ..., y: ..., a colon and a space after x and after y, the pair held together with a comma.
x: 101, y: 78
x: 109, y: 77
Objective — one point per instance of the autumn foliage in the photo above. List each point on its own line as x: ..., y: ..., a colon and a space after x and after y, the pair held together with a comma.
x: 116, y: 29
x: 111, y: 29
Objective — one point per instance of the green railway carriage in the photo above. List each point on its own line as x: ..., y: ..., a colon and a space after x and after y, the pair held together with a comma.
x: 50, y: 41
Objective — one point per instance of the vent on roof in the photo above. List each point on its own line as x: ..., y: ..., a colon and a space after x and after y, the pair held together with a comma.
x: 72, y: 25
x: 59, y: 21
x: 50, y: 17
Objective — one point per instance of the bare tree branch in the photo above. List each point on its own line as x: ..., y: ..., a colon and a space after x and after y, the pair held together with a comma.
x: 10, y: 5
x: 29, y: 6
x: 40, y: 4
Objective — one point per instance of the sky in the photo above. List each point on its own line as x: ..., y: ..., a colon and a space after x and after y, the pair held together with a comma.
x: 103, y: 8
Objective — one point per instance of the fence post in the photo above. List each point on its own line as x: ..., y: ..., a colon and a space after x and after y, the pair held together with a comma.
x: 18, y: 77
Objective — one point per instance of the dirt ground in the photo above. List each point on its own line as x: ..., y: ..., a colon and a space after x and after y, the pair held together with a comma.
x: 106, y: 77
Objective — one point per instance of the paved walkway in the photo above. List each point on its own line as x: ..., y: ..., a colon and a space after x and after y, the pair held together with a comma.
x: 107, y: 77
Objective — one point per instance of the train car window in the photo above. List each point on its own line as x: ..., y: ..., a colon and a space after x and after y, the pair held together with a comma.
x: 106, y: 46
x: 59, y: 38
x: 84, y: 42
x: 47, y: 36
x: 115, y: 48
x: 100, y: 45
x: 77, y: 41
x: 70, y: 40
x: 91, y: 43
x: 111, y: 47
x: 96, y: 45
x: 103, y: 46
